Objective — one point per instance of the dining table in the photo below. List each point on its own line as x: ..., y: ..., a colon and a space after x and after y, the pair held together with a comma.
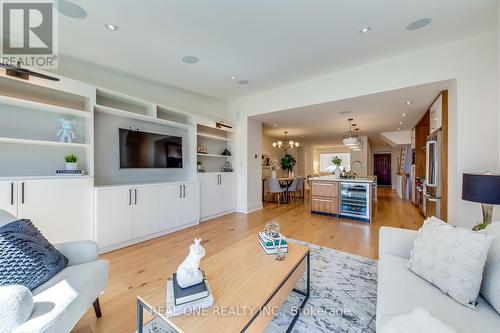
x: 284, y: 181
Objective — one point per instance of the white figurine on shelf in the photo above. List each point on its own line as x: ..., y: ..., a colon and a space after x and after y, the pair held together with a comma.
x: 188, y: 273
x: 66, y: 131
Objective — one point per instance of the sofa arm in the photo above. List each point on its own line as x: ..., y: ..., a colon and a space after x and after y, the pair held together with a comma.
x: 79, y: 252
x: 16, y: 305
x: 395, y: 241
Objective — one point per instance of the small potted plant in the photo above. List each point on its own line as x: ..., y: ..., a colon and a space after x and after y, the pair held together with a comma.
x: 71, y: 161
x: 274, y: 166
x: 337, y: 161
x: 199, y: 165
x: 287, y: 163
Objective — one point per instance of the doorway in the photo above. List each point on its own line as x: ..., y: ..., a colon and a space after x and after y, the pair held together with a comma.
x: 382, y: 169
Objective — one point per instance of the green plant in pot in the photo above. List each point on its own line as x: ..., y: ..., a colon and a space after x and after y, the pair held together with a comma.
x: 287, y: 162
x: 71, y: 161
x: 199, y: 165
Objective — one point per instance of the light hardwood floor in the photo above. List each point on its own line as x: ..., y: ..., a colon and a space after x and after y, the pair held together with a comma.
x: 145, y: 267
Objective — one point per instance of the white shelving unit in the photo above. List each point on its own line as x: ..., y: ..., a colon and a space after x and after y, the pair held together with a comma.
x: 215, y: 140
x: 44, y: 143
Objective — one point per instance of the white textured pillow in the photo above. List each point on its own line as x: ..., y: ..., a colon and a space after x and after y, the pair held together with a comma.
x: 451, y: 258
x: 417, y: 321
x: 16, y: 304
x: 490, y: 288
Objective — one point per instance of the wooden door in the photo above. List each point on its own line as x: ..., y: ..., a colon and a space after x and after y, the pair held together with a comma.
x: 382, y: 169
x: 60, y: 208
x: 145, y: 211
x: 8, y: 196
x: 113, y: 216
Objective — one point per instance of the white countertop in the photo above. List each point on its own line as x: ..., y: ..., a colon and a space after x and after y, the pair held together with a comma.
x: 367, y: 179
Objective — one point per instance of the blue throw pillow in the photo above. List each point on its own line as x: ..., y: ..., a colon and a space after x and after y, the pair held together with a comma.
x: 26, y: 257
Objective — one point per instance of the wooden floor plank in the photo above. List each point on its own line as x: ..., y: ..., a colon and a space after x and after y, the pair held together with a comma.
x: 144, y: 267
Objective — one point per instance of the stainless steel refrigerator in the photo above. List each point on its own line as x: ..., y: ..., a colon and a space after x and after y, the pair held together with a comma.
x: 433, y: 175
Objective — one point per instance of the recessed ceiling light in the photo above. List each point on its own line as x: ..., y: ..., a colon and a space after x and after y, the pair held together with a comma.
x: 71, y: 9
x: 408, y: 102
x: 400, y: 123
x: 365, y: 29
x: 399, y: 129
x: 190, y: 59
x: 418, y: 24
x: 233, y: 77
x: 275, y: 125
x: 112, y: 27
x: 243, y: 82
x: 403, y: 114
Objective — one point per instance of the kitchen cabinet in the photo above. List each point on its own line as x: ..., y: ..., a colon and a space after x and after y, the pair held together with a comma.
x: 179, y: 205
x: 8, y: 196
x: 145, y: 210
x: 217, y: 194
x: 436, y: 114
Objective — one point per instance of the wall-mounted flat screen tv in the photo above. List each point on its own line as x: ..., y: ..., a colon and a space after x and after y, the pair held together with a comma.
x: 149, y: 150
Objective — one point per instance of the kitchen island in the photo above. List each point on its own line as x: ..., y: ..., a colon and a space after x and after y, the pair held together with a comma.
x: 347, y: 198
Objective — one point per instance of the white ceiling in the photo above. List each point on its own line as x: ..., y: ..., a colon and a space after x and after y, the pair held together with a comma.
x: 270, y: 43
x: 324, y: 124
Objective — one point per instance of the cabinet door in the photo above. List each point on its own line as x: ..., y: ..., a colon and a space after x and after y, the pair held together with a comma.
x: 113, y: 216
x: 8, y: 196
x: 209, y: 194
x: 227, y: 192
x: 191, y: 203
x: 145, y: 211
x: 60, y: 208
x: 170, y: 206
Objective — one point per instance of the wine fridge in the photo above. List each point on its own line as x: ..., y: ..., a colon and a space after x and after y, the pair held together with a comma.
x: 355, y: 200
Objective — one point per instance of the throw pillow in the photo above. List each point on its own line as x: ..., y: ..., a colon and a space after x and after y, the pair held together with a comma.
x: 26, y: 257
x: 451, y: 258
x: 17, y: 305
x: 490, y: 288
x: 418, y: 321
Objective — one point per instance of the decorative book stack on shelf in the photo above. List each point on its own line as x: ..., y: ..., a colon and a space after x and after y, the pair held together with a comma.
x: 270, y: 245
x: 188, y: 300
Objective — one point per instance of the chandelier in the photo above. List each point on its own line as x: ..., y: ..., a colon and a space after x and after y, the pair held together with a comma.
x: 351, y: 139
x: 288, y: 144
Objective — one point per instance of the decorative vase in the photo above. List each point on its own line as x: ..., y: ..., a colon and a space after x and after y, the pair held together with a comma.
x: 71, y: 165
x: 337, y: 172
x: 199, y: 167
x: 273, y: 173
x: 290, y: 173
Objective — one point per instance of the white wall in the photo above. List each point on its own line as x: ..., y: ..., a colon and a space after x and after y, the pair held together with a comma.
x: 254, y: 166
x: 473, y: 103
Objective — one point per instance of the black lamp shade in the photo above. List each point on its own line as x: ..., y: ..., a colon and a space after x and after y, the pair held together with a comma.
x: 482, y: 188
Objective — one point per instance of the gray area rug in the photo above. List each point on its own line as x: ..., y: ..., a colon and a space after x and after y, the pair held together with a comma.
x: 343, y: 296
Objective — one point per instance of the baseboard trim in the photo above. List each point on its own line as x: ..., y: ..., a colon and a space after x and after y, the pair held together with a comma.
x: 211, y: 217
x: 145, y: 238
x: 254, y: 208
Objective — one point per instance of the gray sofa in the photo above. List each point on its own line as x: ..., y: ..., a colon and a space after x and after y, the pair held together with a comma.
x: 58, y: 304
x: 400, y: 291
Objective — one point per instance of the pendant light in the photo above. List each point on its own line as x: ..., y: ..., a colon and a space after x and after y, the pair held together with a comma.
x: 289, y: 144
x: 351, y: 139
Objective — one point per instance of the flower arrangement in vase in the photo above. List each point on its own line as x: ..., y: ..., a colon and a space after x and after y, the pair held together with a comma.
x: 274, y: 166
x: 337, y: 161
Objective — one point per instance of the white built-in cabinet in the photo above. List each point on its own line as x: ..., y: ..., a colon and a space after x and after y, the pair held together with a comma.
x: 436, y: 114
x: 218, y: 194
x: 61, y: 208
x: 133, y: 213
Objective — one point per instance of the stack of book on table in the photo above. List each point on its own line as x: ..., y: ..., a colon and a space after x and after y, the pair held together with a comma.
x: 269, y: 245
x: 188, y: 300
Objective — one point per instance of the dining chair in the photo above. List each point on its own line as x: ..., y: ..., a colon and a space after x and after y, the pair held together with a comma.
x: 274, y: 188
x: 293, y: 188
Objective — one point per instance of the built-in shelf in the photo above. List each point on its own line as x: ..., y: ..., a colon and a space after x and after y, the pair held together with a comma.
x: 214, y: 172
x: 127, y: 114
x: 213, y: 137
x: 20, y: 103
x: 44, y: 143
x: 214, y: 155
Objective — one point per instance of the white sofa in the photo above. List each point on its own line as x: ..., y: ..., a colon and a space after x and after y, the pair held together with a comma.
x: 400, y: 291
x: 58, y: 304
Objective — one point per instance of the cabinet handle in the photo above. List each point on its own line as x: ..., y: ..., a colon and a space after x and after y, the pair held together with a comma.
x: 130, y: 197
x: 220, y: 177
x: 22, y: 192
x: 183, y: 191
x: 180, y: 191
x: 12, y: 194
x: 135, y: 196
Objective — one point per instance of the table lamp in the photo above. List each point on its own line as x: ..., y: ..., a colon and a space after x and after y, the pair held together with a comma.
x: 485, y: 189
